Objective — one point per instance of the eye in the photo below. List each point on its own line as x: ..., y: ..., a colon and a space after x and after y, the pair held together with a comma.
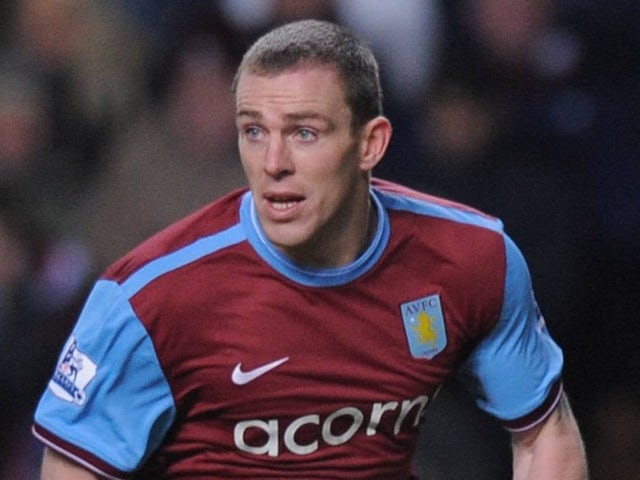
x: 306, y: 134
x: 252, y: 132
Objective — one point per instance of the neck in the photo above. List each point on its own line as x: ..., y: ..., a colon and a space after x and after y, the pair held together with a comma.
x: 339, y: 249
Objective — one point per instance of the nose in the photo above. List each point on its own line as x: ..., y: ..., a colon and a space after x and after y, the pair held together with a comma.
x: 278, y: 158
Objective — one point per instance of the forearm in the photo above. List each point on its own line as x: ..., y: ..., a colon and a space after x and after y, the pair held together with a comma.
x: 553, y: 451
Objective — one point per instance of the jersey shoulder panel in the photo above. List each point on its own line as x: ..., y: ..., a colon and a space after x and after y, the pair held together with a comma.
x: 208, y: 221
x: 400, y: 198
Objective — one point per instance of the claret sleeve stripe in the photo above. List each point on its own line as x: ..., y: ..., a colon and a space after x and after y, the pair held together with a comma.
x: 95, y: 464
x: 183, y: 256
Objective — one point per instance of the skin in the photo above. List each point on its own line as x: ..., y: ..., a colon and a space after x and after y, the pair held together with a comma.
x: 309, y: 173
x: 58, y: 467
x: 308, y: 170
x: 552, y: 450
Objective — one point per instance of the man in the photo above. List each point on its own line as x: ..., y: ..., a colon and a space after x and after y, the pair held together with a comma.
x: 299, y: 329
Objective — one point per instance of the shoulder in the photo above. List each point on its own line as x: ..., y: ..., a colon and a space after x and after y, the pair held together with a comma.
x: 208, y: 223
x: 454, y: 233
x: 398, y: 198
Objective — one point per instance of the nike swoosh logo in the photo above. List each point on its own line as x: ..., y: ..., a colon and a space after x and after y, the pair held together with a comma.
x: 240, y: 377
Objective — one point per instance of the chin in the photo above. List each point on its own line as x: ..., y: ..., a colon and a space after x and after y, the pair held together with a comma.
x: 287, y: 239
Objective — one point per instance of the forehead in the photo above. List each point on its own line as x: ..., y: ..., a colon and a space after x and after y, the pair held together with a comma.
x: 302, y: 86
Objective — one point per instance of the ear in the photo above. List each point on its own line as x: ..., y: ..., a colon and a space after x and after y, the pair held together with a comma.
x: 376, y: 135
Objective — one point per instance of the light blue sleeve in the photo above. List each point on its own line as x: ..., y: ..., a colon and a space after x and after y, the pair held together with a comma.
x: 108, y: 395
x: 514, y: 369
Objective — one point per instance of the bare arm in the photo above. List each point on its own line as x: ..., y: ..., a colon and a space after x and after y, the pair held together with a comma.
x: 552, y: 450
x: 56, y: 466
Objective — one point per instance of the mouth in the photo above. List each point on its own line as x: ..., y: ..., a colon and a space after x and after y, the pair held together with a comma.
x: 283, y: 203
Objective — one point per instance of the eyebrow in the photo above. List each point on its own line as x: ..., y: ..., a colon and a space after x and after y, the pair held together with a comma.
x: 289, y: 117
x: 248, y: 113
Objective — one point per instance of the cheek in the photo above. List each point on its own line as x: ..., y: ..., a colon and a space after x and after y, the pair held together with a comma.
x: 332, y: 181
x: 248, y: 160
x: 337, y: 165
x: 338, y: 184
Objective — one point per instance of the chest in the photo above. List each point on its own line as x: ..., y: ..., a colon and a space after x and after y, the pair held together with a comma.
x: 264, y: 367
x: 257, y: 345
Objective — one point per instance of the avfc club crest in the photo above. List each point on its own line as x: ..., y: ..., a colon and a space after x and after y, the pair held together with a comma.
x: 75, y: 370
x: 424, y: 326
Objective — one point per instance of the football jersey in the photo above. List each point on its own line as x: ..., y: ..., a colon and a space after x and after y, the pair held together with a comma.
x: 207, y: 353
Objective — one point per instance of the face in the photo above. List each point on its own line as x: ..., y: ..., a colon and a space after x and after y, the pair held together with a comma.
x: 307, y: 169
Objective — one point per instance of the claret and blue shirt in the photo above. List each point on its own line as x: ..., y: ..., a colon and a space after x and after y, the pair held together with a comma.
x: 206, y: 353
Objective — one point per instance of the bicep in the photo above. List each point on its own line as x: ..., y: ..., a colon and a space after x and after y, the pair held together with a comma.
x: 526, y: 439
x: 56, y: 466
x: 552, y: 449
x: 560, y: 423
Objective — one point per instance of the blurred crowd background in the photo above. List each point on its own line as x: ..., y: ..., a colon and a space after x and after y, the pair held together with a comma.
x: 116, y: 119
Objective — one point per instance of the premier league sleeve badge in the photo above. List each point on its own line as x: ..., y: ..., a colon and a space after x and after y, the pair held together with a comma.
x: 74, y: 372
